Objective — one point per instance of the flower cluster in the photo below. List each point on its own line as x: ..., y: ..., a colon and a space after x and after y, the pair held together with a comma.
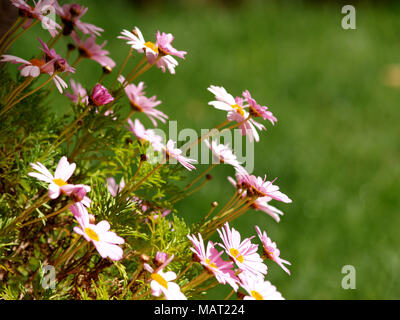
x: 250, y: 270
x: 107, y: 140
x: 104, y: 240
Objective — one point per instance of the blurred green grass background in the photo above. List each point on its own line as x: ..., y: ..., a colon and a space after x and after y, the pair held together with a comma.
x: 335, y: 148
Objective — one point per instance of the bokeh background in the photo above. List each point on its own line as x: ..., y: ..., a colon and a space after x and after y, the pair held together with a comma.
x: 335, y: 148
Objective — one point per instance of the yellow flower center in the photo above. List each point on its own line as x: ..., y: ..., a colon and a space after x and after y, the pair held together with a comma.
x: 238, y: 109
x: 59, y: 182
x: 256, y: 295
x: 234, y: 252
x: 211, y: 264
x: 136, y: 107
x: 151, y: 46
x: 159, y: 279
x: 92, y: 234
x: 269, y: 254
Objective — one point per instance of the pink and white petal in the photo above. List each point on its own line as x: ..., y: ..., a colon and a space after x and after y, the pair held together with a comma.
x: 102, y: 227
x: 155, y: 288
x: 54, y: 191
x: 112, y: 251
x: 169, y: 275
x: 40, y: 177
x: 111, y: 237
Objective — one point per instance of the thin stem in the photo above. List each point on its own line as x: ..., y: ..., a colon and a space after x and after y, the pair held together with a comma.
x: 134, y: 70
x: 55, y: 40
x: 48, y: 216
x: 210, y: 167
x: 134, y: 277
x: 28, y: 94
x: 184, y: 271
x: 211, y: 133
x: 229, y: 295
x: 18, y: 90
x: 147, y: 176
x: 43, y: 199
x: 11, y: 42
x: 14, y: 27
x: 122, y: 67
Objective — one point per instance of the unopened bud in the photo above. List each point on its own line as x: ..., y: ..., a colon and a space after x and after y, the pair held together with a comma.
x: 209, y: 177
x: 143, y: 157
x: 214, y: 204
x: 107, y: 69
x: 92, y: 219
x: 71, y: 47
x: 144, y: 257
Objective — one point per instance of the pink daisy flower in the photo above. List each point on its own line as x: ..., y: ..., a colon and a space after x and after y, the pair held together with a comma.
x: 167, y: 63
x: 235, y: 112
x: 35, y: 67
x: 259, y: 186
x: 161, y: 282
x: 165, y: 48
x: 140, y: 103
x: 59, y: 64
x: 39, y: 12
x: 144, y: 135
x: 174, y: 153
x: 258, y: 289
x: 271, y: 250
x: 136, y: 40
x: 100, y: 96
x: 222, y: 153
x: 261, y: 204
x: 243, y: 253
x: 71, y: 14
x: 89, y: 49
x: 58, y: 181
x: 212, y: 261
x: 79, y: 93
x: 105, y: 241
x: 78, y: 193
x: 160, y: 258
x: 258, y: 111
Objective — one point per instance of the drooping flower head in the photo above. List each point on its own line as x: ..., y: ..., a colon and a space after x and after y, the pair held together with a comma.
x: 165, y: 47
x: 175, y: 153
x: 58, y: 63
x: 78, y: 192
x: 58, y: 181
x: 39, y: 12
x: 79, y: 93
x: 257, y: 186
x: 35, y: 67
x: 271, y: 250
x: 258, y: 289
x: 105, y: 241
x: 91, y: 50
x: 256, y: 110
x: 211, y: 259
x: 140, y: 103
x: 222, y: 153
x: 71, y: 15
x: 243, y: 253
x: 100, y: 96
x: 145, y: 135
